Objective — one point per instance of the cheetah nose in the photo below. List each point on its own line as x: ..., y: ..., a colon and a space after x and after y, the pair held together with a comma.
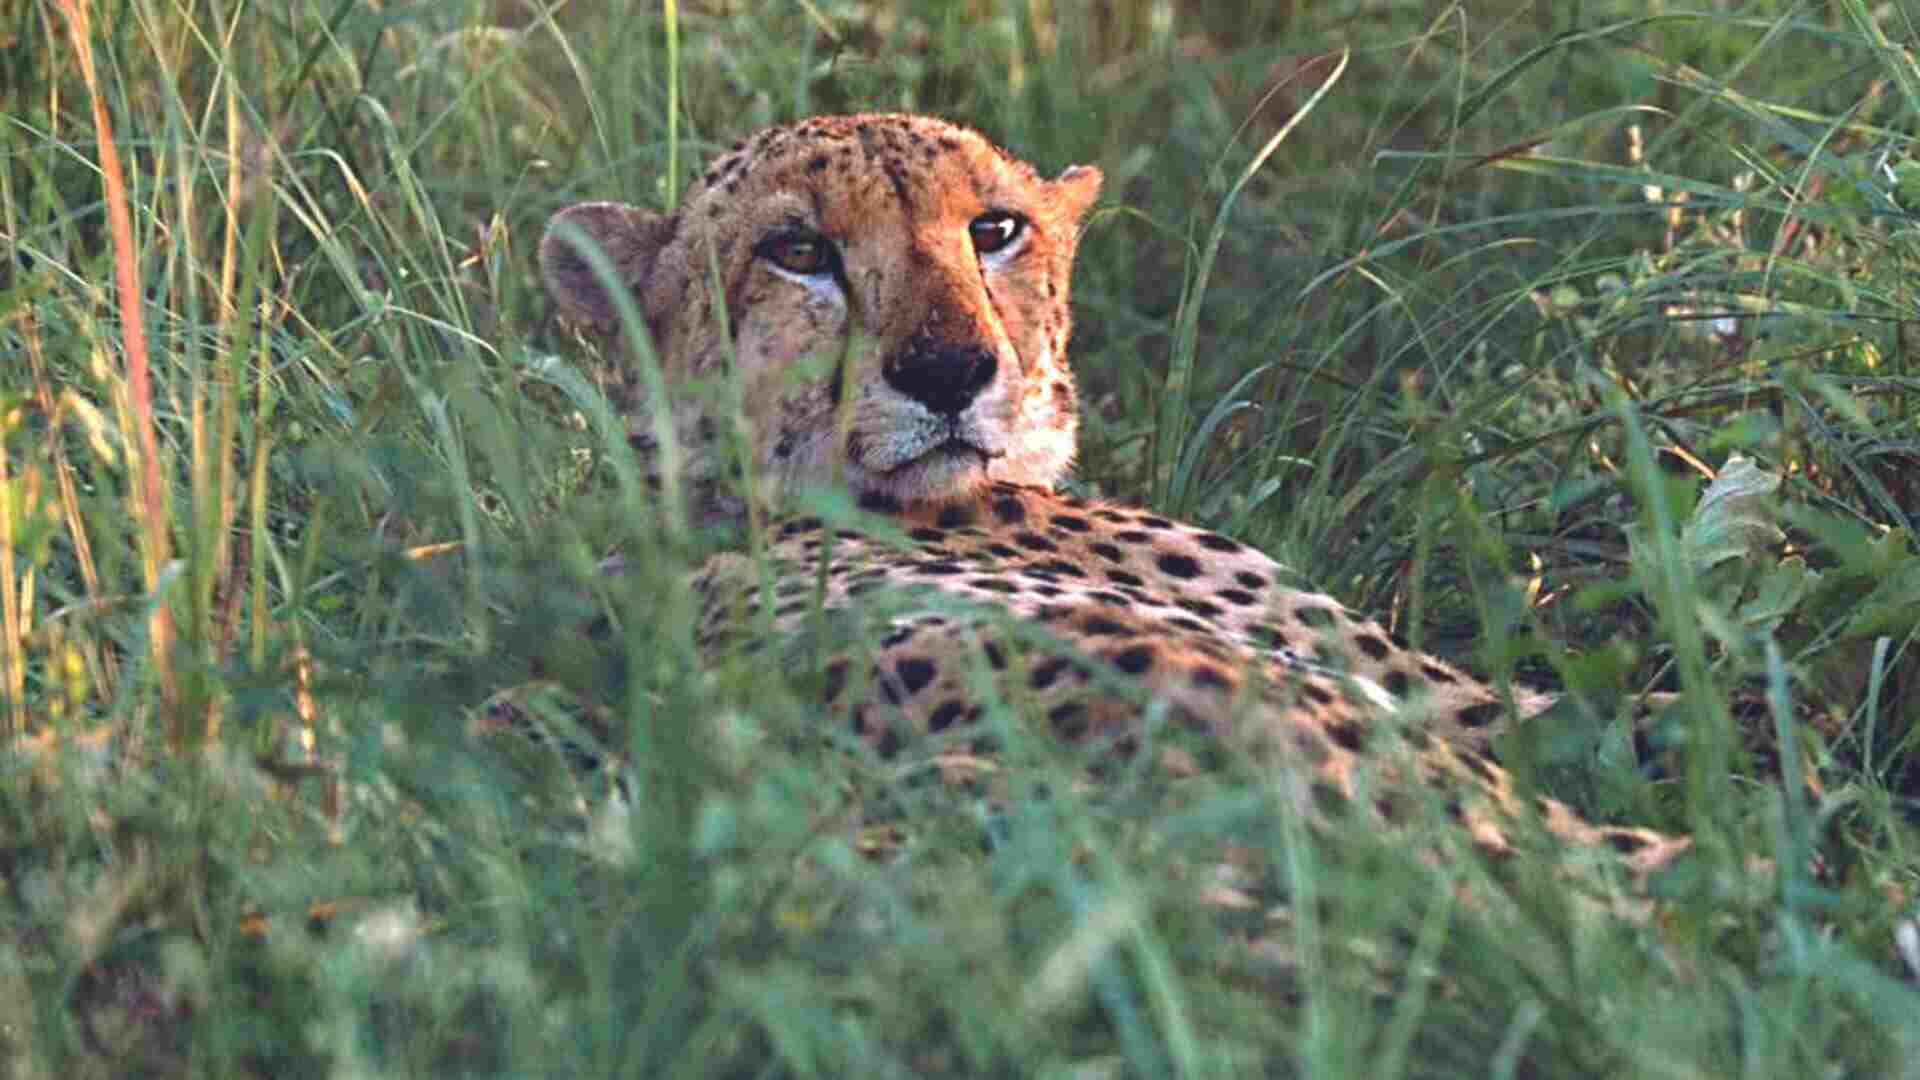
x: 944, y: 378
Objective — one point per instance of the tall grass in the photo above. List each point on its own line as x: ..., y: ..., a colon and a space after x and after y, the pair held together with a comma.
x: 1572, y: 341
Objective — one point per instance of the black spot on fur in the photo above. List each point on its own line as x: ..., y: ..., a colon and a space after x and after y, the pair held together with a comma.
x: 1072, y: 523
x: 1626, y: 843
x: 1439, y: 674
x: 1237, y: 597
x: 1107, y: 552
x: 1121, y: 577
x: 1155, y: 522
x: 1208, y: 676
x: 1047, y: 672
x: 879, y: 502
x: 1101, y: 627
x: 928, y: 536
x: 1034, y: 542
x: 1349, y: 735
x: 1068, y: 720
x: 1251, y: 581
x: 955, y: 516
x: 1372, y: 645
x: 1479, y: 716
x: 943, y: 717
x: 1180, y: 566
x: 1216, y: 542
x: 915, y: 674
x: 1200, y: 607
x: 1010, y: 510
x: 1135, y: 660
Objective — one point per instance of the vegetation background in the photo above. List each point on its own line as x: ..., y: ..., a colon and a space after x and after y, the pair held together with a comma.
x: 1573, y: 340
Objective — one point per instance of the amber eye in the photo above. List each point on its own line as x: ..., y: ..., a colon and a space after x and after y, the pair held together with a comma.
x: 995, y: 230
x: 798, y: 252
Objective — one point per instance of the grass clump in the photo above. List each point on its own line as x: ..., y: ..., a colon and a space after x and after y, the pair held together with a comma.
x: 1573, y: 342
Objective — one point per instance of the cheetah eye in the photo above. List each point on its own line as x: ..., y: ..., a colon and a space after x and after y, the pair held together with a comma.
x: 805, y: 253
x: 995, y: 230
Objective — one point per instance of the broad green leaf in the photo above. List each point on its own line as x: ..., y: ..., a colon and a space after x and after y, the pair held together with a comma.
x: 1735, y: 517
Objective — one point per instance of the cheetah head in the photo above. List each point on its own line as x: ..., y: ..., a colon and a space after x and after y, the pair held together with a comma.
x: 888, y: 294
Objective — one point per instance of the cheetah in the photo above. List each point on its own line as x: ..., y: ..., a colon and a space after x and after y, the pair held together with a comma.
x: 885, y: 299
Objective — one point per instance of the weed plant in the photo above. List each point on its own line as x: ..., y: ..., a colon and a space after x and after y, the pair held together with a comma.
x: 1574, y: 341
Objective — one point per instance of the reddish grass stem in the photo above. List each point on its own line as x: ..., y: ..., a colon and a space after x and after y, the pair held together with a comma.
x: 149, y: 500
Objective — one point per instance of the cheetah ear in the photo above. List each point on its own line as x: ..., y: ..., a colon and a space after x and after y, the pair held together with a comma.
x: 1076, y: 189
x: 631, y: 239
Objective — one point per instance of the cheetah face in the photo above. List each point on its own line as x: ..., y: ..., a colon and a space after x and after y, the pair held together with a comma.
x: 888, y: 294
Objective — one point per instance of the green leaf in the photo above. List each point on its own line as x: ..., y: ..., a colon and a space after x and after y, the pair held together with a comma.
x: 1893, y: 605
x: 1735, y: 517
x: 1777, y: 594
